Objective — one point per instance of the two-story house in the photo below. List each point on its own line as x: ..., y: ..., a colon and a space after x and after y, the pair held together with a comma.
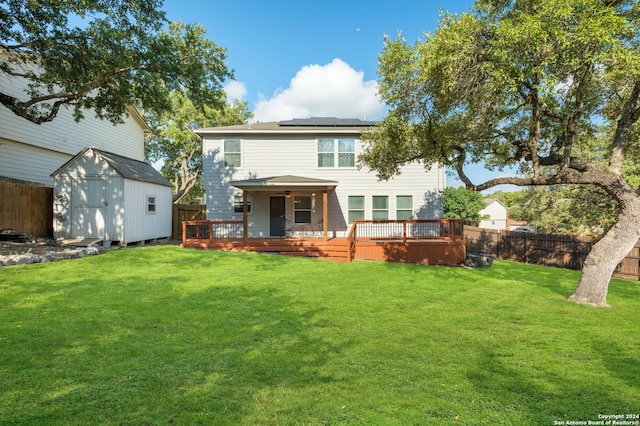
x: 303, y: 174
x: 93, y: 205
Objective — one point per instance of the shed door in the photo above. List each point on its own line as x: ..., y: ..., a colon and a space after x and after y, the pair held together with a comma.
x: 88, y: 217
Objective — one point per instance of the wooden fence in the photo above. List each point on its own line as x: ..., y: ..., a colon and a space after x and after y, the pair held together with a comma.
x: 185, y: 212
x: 563, y: 251
x: 26, y: 208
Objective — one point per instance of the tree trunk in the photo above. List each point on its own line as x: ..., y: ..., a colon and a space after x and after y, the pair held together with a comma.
x: 607, y: 253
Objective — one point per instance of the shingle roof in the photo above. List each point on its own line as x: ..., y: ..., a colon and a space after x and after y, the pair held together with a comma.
x: 128, y: 168
x: 284, y: 181
x: 134, y: 169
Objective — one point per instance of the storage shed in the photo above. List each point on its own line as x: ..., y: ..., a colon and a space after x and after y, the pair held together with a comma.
x: 104, y: 196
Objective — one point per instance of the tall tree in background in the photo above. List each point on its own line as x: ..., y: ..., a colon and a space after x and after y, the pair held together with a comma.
x: 462, y: 203
x: 179, y: 149
x: 530, y: 83
x: 104, y: 55
x: 569, y: 209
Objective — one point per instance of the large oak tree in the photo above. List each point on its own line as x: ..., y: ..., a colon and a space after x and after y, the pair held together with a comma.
x: 104, y: 55
x: 531, y: 83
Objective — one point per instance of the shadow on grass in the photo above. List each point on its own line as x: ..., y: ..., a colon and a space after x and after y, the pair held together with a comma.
x: 556, y: 391
x: 619, y: 362
x: 204, y: 357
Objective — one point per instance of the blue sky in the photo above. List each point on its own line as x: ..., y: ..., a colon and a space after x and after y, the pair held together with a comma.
x: 269, y: 44
x: 297, y: 59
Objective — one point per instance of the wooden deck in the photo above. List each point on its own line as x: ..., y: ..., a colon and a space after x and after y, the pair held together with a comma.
x: 430, y: 242
x: 335, y: 249
x: 426, y: 252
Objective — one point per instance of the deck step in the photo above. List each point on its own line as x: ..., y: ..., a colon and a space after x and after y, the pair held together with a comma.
x: 334, y: 250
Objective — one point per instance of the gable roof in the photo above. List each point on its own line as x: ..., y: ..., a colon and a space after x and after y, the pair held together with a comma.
x: 128, y: 168
x: 489, y: 201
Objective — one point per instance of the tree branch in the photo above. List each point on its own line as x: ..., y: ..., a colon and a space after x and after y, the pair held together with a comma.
x: 630, y: 115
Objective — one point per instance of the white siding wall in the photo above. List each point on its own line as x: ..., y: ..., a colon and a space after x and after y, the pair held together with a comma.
x: 125, y: 212
x: 71, y: 187
x: 497, y: 216
x: 138, y: 224
x: 30, y: 163
x: 38, y: 150
x: 265, y: 157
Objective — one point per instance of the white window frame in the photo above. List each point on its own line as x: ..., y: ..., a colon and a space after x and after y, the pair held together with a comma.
x: 152, y: 204
x: 239, y: 152
x: 349, y: 209
x: 238, y: 202
x: 335, y: 153
x: 297, y: 209
x: 376, y: 211
x: 404, y: 209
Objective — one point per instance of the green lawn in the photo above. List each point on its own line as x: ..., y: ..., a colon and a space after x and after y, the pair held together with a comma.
x: 162, y: 335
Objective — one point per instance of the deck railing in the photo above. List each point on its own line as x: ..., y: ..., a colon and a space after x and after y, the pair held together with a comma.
x: 451, y: 229
x: 429, y: 229
x: 211, y: 230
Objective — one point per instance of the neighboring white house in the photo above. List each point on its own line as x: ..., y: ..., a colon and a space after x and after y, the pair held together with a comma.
x: 31, y: 152
x: 304, y: 172
x: 495, y: 214
x: 103, y: 196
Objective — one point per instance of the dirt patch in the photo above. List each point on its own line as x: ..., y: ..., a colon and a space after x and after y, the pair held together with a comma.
x: 41, y: 246
x: 35, y: 246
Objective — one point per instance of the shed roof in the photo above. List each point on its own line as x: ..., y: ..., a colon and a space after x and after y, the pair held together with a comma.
x: 128, y: 168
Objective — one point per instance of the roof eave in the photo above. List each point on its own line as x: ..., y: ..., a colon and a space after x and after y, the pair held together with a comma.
x: 289, y: 131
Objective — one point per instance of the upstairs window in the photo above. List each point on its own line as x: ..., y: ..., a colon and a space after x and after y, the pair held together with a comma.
x: 325, y: 152
x: 344, y: 150
x: 232, y: 153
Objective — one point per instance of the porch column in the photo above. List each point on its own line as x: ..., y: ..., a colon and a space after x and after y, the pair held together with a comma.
x: 325, y: 215
x: 245, y: 215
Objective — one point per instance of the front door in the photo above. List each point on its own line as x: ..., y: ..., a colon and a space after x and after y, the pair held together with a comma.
x: 277, y: 216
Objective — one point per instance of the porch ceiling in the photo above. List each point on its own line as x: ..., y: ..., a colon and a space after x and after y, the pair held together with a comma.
x: 286, y: 182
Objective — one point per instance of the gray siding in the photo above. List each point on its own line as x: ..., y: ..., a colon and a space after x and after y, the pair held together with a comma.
x: 265, y: 156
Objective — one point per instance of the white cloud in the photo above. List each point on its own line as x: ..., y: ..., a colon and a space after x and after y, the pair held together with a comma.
x: 235, y: 90
x: 332, y: 90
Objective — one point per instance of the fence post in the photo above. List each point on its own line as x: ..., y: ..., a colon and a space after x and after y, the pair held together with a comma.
x: 404, y: 232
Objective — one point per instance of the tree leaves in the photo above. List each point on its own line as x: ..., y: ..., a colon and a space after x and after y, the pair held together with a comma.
x: 116, y: 53
x: 179, y: 149
x: 513, y: 83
